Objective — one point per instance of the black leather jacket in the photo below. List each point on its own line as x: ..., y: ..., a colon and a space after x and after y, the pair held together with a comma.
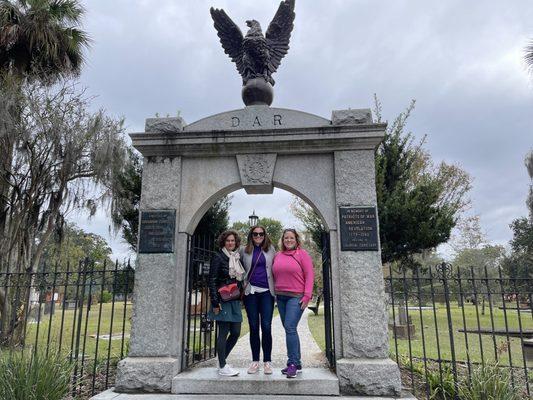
x: 218, y: 276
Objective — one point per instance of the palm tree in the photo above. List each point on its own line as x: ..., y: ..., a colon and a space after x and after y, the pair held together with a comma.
x: 528, y: 56
x: 40, y: 39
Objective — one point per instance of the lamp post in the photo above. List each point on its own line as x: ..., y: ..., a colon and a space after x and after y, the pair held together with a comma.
x: 253, y: 219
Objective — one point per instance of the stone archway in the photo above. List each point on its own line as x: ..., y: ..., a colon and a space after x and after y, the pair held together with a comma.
x: 330, y: 164
x: 199, y: 333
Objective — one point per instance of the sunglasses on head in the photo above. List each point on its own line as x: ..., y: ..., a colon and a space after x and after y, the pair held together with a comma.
x: 258, y: 233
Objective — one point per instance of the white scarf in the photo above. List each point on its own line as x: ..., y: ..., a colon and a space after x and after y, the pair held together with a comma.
x: 235, y: 267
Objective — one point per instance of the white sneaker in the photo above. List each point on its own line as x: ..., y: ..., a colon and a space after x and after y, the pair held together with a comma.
x: 254, y: 367
x: 228, y: 371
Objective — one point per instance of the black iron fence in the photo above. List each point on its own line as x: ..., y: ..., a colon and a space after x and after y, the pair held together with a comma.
x: 447, y: 323
x: 444, y: 323
x: 81, y: 312
x: 327, y: 293
x: 200, y: 332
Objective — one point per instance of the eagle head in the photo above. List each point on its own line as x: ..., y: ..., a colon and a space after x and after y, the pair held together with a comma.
x: 255, y: 28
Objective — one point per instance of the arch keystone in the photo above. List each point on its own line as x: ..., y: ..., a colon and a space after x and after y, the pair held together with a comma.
x: 256, y: 171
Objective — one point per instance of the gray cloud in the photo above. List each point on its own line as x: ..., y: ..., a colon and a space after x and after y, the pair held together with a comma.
x: 462, y: 61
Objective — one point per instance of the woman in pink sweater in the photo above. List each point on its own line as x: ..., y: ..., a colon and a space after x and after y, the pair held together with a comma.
x: 293, y: 284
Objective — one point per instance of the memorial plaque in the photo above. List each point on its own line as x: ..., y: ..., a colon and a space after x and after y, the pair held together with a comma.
x: 358, y: 229
x: 157, y: 231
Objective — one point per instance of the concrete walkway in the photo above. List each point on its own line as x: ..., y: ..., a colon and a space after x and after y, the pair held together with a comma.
x: 312, y: 356
x: 111, y: 395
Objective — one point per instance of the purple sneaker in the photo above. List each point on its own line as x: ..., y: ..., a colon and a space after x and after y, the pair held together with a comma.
x: 292, y: 370
x: 298, y: 370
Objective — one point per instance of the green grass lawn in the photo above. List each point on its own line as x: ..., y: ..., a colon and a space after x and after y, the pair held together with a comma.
x: 479, y: 346
x: 49, y: 331
x: 317, y: 328
x: 475, y: 347
x: 38, y: 335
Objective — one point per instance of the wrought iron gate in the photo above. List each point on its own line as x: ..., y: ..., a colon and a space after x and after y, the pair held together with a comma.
x: 328, y: 300
x: 200, y: 333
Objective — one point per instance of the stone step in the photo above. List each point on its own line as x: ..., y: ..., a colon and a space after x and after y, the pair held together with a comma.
x: 313, y: 381
x: 111, y: 395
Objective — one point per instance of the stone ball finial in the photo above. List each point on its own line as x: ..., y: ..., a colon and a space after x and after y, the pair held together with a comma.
x: 257, y: 91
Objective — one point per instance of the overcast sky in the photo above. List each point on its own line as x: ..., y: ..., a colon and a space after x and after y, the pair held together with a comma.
x: 461, y: 60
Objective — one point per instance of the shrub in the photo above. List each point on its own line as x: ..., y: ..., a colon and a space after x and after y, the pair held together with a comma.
x: 23, y: 377
x: 106, y: 297
x: 489, y: 382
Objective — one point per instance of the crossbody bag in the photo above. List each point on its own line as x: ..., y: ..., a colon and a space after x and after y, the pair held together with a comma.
x: 232, y: 291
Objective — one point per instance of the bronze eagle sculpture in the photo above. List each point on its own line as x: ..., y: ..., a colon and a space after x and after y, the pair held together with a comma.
x: 256, y: 55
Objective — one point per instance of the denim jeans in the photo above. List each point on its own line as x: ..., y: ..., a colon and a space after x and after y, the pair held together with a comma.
x: 290, y: 312
x: 260, y: 308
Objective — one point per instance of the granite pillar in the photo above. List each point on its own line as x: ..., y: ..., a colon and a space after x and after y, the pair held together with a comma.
x: 364, y: 366
x: 157, y: 318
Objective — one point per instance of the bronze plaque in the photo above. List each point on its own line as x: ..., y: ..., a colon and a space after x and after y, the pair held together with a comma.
x: 156, y: 233
x: 358, y: 229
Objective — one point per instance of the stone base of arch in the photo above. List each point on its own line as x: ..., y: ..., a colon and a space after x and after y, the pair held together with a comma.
x: 328, y: 163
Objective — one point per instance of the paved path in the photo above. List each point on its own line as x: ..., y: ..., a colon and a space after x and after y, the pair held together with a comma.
x: 312, y: 356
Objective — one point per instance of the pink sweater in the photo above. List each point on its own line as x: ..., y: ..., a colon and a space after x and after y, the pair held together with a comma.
x: 291, y: 276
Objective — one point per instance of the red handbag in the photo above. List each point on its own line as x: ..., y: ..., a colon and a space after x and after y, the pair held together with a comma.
x: 230, y: 292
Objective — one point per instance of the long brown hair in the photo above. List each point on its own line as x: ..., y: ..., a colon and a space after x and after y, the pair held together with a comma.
x: 250, y: 242
x: 296, y: 236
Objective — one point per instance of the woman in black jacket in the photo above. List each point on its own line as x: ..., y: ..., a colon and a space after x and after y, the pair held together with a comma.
x: 225, y: 269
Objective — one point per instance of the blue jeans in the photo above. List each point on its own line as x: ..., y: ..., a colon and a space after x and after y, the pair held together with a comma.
x: 260, y: 308
x: 290, y: 312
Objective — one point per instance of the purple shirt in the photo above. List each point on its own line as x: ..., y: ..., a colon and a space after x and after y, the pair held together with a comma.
x: 259, y: 276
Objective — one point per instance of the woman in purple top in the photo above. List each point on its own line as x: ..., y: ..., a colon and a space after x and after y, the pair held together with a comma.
x: 257, y: 258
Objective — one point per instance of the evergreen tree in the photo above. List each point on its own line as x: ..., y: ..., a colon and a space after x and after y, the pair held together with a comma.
x: 127, y: 204
x: 418, y: 203
x: 519, y: 264
x: 125, y: 212
x: 273, y: 227
x: 215, y: 220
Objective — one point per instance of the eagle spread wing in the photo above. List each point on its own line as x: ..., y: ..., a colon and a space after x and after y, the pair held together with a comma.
x: 278, y: 34
x: 230, y: 36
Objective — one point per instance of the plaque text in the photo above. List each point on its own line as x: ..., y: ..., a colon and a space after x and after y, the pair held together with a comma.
x: 157, y: 231
x: 358, y: 229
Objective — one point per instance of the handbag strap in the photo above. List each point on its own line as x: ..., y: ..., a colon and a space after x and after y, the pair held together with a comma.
x: 295, y: 259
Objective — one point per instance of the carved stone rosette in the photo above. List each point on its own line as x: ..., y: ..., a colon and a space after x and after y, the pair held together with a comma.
x: 256, y: 172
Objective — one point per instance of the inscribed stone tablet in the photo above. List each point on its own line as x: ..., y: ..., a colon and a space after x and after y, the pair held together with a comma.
x: 358, y: 228
x: 157, y: 231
